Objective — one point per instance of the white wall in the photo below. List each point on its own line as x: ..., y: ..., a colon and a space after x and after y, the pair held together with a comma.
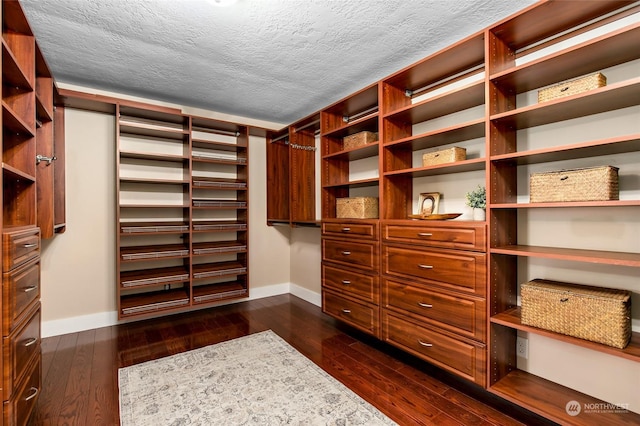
x: 78, y: 266
x: 306, y: 258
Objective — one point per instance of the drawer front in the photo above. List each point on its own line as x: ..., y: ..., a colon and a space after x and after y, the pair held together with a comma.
x: 353, y: 254
x: 358, y: 314
x: 361, y: 230
x: 21, y: 287
x: 18, y: 409
x: 462, y: 357
x: 20, y: 247
x: 458, y: 270
x: 459, y: 237
x: 19, y: 349
x: 463, y: 315
x: 351, y: 283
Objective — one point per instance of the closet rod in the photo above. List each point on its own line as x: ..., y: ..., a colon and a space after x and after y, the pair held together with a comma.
x: 359, y: 115
x: 411, y: 93
x: 216, y: 131
x: 310, y: 124
x: 279, y: 138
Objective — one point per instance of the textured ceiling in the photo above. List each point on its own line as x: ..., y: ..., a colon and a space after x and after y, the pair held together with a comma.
x: 273, y: 60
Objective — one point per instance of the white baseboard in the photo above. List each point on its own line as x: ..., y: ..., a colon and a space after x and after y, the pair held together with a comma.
x: 266, y: 291
x: 76, y: 324
x: 306, y: 294
x: 106, y: 319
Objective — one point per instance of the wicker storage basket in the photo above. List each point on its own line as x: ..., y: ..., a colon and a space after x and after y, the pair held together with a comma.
x: 572, y: 87
x: 359, y: 139
x: 591, y: 184
x: 592, y: 313
x: 444, y: 156
x: 357, y: 208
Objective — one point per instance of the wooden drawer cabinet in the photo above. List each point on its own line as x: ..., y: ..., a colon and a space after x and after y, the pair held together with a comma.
x: 461, y: 314
x: 433, y: 291
x: 20, y: 246
x: 463, y: 357
x: 20, y: 348
x: 20, y: 288
x: 350, y: 273
x: 17, y: 410
x: 21, y: 353
x: 351, y: 283
x: 356, y: 313
x: 458, y: 270
x: 349, y: 229
x: 466, y: 237
x: 350, y: 253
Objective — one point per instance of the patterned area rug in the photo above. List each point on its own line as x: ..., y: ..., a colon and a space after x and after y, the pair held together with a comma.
x: 257, y: 379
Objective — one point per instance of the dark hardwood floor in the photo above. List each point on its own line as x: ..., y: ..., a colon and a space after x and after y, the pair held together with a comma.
x: 79, y: 370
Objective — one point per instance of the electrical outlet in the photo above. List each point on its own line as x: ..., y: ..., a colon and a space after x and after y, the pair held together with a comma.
x: 522, y: 347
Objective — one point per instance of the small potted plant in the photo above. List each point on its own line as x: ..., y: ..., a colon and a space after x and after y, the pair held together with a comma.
x: 477, y: 200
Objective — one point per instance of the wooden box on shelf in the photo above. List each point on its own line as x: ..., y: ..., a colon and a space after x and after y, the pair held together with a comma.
x: 597, y: 314
x: 449, y: 155
x: 357, y: 208
x: 572, y: 87
x: 588, y: 184
x: 359, y: 139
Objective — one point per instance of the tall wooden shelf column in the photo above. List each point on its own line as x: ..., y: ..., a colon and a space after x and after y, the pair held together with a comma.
x: 510, y: 76
x: 356, y: 113
x: 49, y: 152
x: 220, y: 211
x: 153, y: 215
x: 291, y: 173
x: 278, y: 178
x: 350, y: 246
x: 28, y: 199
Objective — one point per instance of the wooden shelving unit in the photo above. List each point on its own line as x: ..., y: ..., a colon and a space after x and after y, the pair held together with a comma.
x: 33, y: 191
x: 153, y: 249
x: 183, y: 200
x: 50, y: 153
x: 356, y: 113
x: 351, y: 246
x: 291, y: 173
x: 303, y: 151
x: 278, y: 178
x: 513, y: 116
x: 219, y: 196
x: 434, y: 104
x: 480, y: 93
x: 18, y: 118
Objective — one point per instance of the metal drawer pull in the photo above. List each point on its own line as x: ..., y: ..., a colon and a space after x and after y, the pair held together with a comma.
x: 30, y: 288
x: 346, y: 253
x: 425, y: 305
x: 346, y: 229
x: 426, y: 345
x: 30, y: 342
x: 34, y: 393
x: 424, y: 234
x: 346, y: 282
x: 346, y: 311
x: 30, y: 245
x: 425, y: 266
